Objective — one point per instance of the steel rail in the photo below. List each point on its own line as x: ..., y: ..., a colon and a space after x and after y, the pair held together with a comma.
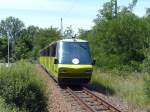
x: 80, y: 101
x: 106, y: 104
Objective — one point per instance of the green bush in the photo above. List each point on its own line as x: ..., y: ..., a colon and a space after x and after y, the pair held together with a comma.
x: 146, y: 62
x: 20, y: 86
x: 6, y: 108
x: 132, y: 87
x: 147, y: 86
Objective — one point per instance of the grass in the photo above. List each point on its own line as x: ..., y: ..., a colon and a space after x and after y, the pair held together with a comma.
x: 6, y: 108
x: 129, y: 86
x: 22, y: 89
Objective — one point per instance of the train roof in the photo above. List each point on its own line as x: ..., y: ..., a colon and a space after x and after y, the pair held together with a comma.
x: 64, y: 40
x: 72, y: 40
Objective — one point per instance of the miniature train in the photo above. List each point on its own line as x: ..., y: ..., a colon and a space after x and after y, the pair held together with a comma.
x: 69, y: 61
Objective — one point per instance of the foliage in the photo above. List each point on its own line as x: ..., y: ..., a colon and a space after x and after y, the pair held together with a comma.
x: 25, y: 43
x: 3, y: 49
x: 68, y: 33
x: 21, y: 87
x: 11, y: 26
x: 132, y: 5
x: 147, y: 86
x: 146, y: 62
x: 148, y: 11
x: 129, y: 86
x: 121, y: 46
x: 6, y: 108
x: 43, y: 38
x: 118, y: 41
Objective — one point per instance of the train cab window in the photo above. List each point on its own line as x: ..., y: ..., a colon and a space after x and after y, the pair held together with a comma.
x: 68, y: 51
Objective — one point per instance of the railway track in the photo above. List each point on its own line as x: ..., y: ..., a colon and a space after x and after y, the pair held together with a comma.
x: 85, y: 100
x: 89, y: 102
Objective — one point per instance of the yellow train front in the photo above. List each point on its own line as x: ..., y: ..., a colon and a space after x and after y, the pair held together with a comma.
x: 68, y: 61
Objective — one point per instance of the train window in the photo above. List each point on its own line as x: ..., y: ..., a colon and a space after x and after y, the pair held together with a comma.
x: 41, y: 53
x: 49, y: 50
x: 47, y: 53
x: 44, y: 53
x: 52, y: 50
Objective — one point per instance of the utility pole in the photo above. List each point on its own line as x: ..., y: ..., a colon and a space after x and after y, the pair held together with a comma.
x: 61, y: 26
x: 8, y: 50
x: 114, y: 7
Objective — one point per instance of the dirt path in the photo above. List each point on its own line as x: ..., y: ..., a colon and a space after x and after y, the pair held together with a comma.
x: 56, y: 100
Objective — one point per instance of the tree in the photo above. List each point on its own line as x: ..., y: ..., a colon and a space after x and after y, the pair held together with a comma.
x: 147, y: 11
x: 146, y: 62
x: 68, y: 33
x: 129, y: 8
x: 3, y: 49
x: 118, y: 41
x: 11, y: 28
x: 24, y: 44
x: 43, y: 38
x: 105, y: 13
x: 132, y: 4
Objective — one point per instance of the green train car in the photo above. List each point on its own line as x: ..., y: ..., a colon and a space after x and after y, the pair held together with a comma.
x: 68, y: 61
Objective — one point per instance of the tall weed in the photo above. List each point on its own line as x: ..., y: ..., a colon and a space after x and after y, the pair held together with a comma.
x: 21, y: 86
x: 130, y: 86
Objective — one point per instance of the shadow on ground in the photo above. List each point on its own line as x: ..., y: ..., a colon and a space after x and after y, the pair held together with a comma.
x: 106, y: 90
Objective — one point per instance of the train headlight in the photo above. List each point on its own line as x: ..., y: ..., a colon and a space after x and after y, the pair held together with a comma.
x: 89, y: 71
x: 62, y: 70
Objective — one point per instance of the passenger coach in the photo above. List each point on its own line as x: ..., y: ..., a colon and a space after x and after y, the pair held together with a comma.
x: 68, y: 61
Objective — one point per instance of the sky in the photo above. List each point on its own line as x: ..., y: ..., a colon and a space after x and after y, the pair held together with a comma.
x: 46, y: 13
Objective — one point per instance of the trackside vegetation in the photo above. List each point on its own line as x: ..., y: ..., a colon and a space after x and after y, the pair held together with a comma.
x: 132, y: 87
x: 6, y: 108
x: 21, y: 89
x: 120, y: 43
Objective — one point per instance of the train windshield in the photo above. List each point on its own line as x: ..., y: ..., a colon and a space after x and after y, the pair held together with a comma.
x: 74, y: 53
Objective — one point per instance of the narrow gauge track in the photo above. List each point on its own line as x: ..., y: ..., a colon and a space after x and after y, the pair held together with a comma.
x: 89, y: 102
